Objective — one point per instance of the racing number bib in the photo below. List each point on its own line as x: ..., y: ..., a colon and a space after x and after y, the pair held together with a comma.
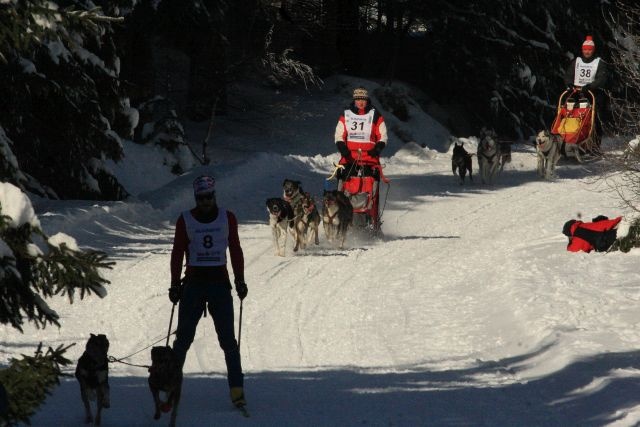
x: 585, y: 73
x: 358, y: 126
x: 207, y: 241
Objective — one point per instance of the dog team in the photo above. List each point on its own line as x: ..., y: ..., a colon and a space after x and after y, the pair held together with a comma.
x: 493, y: 155
x: 296, y: 214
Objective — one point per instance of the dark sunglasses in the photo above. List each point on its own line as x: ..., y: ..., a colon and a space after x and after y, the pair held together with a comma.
x: 205, y: 196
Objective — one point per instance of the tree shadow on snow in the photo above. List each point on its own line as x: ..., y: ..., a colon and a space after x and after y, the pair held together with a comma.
x: 588, y: 392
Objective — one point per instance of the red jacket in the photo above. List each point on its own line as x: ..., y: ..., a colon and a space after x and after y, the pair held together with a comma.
x: 210, y: 274
x: 378, y: 134
x: 588, y: 233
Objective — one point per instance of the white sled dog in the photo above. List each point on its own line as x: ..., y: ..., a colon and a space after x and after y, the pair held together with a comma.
x: 488, y: 158
x: 548, y: 151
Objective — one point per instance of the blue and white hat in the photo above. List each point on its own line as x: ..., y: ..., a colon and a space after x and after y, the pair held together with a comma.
x: 204, y: 185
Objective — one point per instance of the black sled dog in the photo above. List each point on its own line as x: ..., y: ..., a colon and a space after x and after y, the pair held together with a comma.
x: 92, y: 373
x: 461, y: 162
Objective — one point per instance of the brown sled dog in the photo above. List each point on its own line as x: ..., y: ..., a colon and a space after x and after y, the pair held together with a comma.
x: 165, y: 375
x: 337, y: 215
x: 307, y: 222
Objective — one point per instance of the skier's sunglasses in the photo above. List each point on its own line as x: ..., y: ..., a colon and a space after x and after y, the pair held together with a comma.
x: 208, y: 196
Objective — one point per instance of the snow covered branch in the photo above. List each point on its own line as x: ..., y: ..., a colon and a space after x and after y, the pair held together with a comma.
x: 283, y: 68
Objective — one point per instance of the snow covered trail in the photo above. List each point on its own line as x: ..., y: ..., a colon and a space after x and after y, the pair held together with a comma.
x: 469, y: 312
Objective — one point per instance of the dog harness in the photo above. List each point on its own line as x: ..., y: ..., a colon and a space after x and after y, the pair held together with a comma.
x: 542, y: 150
x: 327, y: 215
x: 207, y: 241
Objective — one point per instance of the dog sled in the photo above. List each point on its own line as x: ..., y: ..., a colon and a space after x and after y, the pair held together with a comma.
x: 575, y: 124
x: 360, y: 182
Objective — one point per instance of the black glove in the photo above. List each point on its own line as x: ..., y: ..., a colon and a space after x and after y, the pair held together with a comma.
x: 375, y: 151
x: 175, y: 293
x: 241, y: 289
x: 344, y: 151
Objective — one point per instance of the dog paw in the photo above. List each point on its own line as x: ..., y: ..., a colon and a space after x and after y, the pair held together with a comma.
x: 88, y: 419
x: 280, y: 253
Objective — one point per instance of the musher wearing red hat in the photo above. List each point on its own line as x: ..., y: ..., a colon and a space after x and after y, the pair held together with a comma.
x: 588, y: 72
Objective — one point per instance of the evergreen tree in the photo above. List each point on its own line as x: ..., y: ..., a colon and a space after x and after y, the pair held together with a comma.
x: 34, y: 267
x: 59, y: 82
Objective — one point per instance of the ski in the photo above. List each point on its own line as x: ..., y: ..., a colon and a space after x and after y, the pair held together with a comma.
x: 243, y: 410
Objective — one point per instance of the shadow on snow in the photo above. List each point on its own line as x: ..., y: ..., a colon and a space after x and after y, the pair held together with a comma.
x: 358, y: 396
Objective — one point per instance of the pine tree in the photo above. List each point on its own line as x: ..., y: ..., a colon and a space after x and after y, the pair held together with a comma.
x: 59, y: 80
x: 34, y: 267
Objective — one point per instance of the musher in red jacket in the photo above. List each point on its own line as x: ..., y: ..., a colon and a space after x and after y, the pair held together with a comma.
x: 587, y: 236
x: 361, y: 133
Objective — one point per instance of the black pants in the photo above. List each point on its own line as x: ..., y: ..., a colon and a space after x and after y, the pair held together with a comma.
x: 220, y: 304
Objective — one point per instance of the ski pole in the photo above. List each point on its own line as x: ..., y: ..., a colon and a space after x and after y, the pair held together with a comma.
x: 170, y: 322
x: 240, y: 326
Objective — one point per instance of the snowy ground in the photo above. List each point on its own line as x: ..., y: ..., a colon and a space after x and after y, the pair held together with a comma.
x: 470, y: 312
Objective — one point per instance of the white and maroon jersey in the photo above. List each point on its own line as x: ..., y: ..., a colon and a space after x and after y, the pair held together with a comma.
x: 585, y: 72
x: 208, y: 242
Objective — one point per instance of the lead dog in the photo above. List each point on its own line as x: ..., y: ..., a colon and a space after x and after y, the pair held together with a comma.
x: 280, y: 219
x: 461, y: 162
x: 292, y: 192
x: 165, y: 375
x: 92, y: 373
x: 488, y: 158
x: 307, y: 222
x: 337, y: 215
x: 548, y: 151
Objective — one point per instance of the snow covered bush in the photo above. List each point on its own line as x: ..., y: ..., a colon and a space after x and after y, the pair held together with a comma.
x: 628, y: 238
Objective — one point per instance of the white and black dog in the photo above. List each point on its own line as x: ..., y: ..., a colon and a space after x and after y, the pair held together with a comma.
x: 488, y: 157
x: 281, y: 219
x: 92, y: 373
x: 548, y: 148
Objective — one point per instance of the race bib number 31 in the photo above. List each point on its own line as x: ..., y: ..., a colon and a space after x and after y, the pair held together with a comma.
x: 358, y: 126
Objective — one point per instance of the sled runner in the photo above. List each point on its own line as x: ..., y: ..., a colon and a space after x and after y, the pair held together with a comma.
x: 575, y: 123
x: 360, y: 182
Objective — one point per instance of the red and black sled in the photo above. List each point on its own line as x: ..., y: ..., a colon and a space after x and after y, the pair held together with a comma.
x: 360, y: 182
